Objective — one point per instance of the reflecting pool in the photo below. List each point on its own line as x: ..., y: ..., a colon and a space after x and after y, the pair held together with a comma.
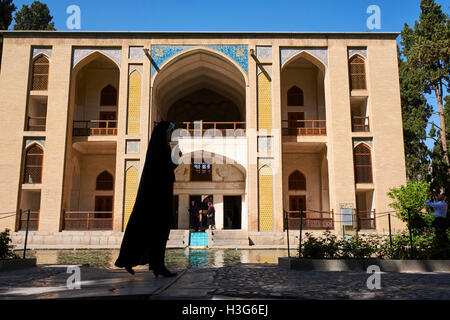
x: 175, y: 258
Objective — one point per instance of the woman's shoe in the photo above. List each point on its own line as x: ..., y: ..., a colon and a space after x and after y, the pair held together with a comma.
x: 130, y: 269
x: 164, y: 272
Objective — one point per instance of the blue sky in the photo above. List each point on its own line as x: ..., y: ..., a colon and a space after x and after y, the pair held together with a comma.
x: 234, y: 15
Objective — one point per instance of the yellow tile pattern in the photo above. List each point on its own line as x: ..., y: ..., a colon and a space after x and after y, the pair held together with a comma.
x: 265, y: 199
x: 131, y: 188
x: 134, y: 102
x: 264, y: 100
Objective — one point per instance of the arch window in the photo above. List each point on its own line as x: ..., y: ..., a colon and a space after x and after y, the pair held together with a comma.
x: 357, y: 73
x: 108, y: 96
x: 40, y: 73
x: 295, y: 96
x: 297, y: 181
x: 201, y: 171
x: 363, y: 164
x: 104, y: 181
x: 33, y: 164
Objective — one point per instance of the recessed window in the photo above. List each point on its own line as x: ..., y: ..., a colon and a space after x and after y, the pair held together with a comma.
x: 357, y: 73
x: 105, y: 181
x: 40, y: 73
x: 201, y: 171
x: 363, y: 164
x: 297, y: 181
x: 33, y: 164
x: 108, y: 96
x: 295, y: 96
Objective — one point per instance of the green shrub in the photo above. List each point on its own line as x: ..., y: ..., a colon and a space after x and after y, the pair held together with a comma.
x: 6, y: 250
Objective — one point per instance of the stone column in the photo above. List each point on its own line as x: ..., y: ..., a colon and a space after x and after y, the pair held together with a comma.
x: 218, y: 205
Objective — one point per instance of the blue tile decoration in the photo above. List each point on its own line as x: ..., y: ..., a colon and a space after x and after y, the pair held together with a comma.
x: 160, y: 54
x: 198, y: 239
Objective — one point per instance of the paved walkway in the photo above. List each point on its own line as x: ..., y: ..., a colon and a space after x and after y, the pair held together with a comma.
x: 241, y: 281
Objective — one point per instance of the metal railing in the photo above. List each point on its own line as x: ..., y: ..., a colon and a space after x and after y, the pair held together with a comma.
x: 87, y: 220
x: 360, y: 124
x: 309, y: 220
x: 94, y: 127
x: 210, y: 129
x: 304, y: 127
x: 36, y: 123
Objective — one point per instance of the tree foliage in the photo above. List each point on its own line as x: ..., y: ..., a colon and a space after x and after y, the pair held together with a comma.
x: 6, y: 10
x: 411, y: 199
x: 34, y: 17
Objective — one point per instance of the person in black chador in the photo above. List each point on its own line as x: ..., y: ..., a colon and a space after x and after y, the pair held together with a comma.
x: 148, y: 228
x: 193, y: 214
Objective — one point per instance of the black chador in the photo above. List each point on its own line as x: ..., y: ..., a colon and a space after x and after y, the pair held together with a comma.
x: 148, y: 228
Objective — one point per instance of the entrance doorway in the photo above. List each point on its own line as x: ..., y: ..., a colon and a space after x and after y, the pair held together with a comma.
x: 202, y: 203
x: 297, y: 203
x: 103, y: 206
x: 232, y: 212
x: 295, y: 121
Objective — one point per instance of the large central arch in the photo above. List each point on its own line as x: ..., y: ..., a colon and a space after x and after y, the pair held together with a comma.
x: 203, y: 72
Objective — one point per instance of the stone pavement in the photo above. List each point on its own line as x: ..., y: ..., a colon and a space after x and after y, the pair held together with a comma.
x: 241, y: 281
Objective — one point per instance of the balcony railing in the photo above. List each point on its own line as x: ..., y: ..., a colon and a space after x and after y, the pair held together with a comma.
x: 33, y: 223
x: 35, y: 123
x: 88, y: 220
x: 95, y: 127
x: 360, y: 124
x: 366, y: 220
x: 304, y: 127
x: 311, y: 220
x: 210, y: 129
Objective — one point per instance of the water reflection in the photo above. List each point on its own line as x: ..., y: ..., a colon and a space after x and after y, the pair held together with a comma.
x: 175, y: 258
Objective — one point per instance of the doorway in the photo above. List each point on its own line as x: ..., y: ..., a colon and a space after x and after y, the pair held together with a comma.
x: 297, y: 203
x: 103, y: 206
x: 295, y: 121
x: 232, y: 212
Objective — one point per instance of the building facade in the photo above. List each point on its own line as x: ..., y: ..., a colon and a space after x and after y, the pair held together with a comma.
x: 273, y: 127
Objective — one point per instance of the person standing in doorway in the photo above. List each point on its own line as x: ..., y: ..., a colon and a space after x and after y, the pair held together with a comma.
x: 193, y: 215
x: 210, y: 216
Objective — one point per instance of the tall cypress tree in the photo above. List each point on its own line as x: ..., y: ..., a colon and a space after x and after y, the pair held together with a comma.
x: 427, y: 50
x: 415, y: 114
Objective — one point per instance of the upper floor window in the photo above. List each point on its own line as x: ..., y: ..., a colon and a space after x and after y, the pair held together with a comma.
x: 40, y: 73
x: 363, y: 163
x: 108, y: 96
x: 105, y: 181
x: 295, y: 96
x: 357, y: 73
x: 201, y: 171
x: 33, y: 164
x: 297, y: 181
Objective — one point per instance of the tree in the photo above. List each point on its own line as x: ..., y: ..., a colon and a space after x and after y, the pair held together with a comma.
x: 415, y: 114
x: 35, y: 17
x: 411, y: 199
x: 427, y: 49
x: 6, y: 10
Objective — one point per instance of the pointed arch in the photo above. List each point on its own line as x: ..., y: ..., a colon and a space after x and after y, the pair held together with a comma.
x: 307, y: 56
x: 297, y: 181
x: 357, y: 72
x: 295, y: 96
x: 34, y: 156
x: 39, y: 73
x: 104, y: 181
x: 362, y: 160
